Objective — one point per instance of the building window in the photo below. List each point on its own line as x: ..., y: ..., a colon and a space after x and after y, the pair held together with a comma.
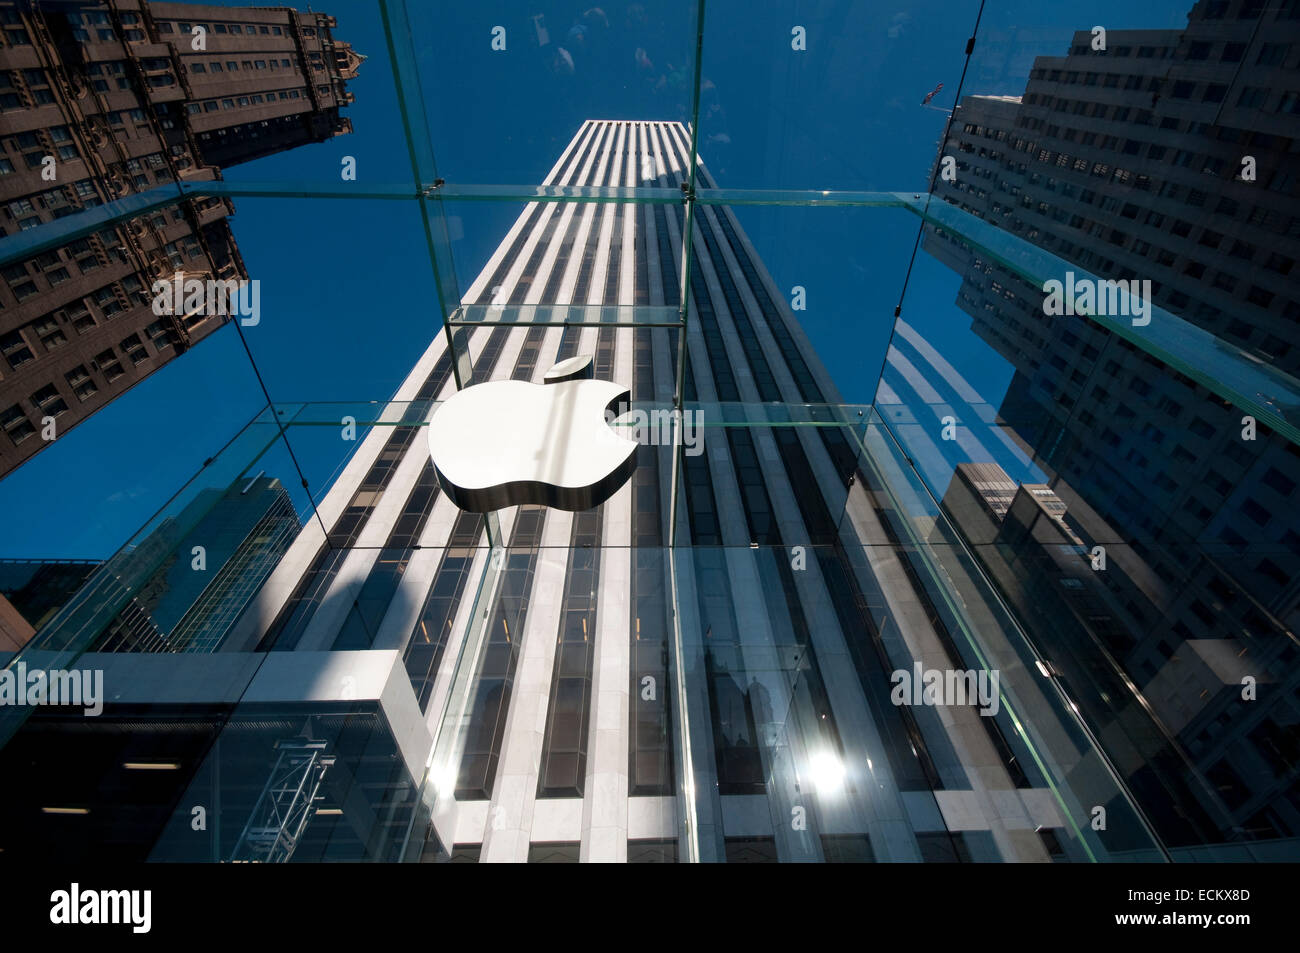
x: 750, y: 850
x: 1272, y: 54
x: 48, y: 401
x: 81, y: 383
x: 109, y: 365
x: 15, y: 349
x: 1280, y: 263
x: 1252, y: 97
x: 554, y: 853
x: 135, y: 349
x: 1257, y: 513
x: 15, y: 424
x: 1259, y: 296
x: 1279, y: 481
x: 83, y: 320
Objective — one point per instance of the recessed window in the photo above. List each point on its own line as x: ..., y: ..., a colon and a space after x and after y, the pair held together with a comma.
x: 48, y: 401
x: 80, y: 381
x: 1272, y: 54
x: 109, y: 365
x: 135, y: 349
x: 1257, y: 513
x: 15, y: 424
x: 1279, y: 481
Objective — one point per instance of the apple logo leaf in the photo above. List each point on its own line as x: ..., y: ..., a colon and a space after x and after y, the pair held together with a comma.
x: 509, y: 443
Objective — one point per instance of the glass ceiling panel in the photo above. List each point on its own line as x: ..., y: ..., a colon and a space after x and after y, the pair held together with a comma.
x: 1075, y: 498
x: 831, y: 97
x: 507, y: 84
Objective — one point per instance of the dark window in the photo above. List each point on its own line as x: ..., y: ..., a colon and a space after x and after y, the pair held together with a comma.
x: 750, y: 850
x: 566, y: 852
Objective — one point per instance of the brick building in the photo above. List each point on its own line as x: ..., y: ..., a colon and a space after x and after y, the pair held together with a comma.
x: 100, y: 100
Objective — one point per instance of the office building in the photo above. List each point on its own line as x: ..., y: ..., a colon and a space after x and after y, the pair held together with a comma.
x: 32, y: 591
x: 201, y: 568
x: 1131, y: 163
x: 103, y: 100
x: 398, y: 690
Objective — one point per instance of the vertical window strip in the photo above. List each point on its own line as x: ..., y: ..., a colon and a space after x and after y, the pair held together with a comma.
x: 486, y: 726
x: 568, y: 716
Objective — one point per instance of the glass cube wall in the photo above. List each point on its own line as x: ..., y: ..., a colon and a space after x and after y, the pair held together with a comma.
x: 956, y: 345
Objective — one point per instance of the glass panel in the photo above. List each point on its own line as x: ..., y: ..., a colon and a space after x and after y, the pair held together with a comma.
x: 956, y: 521
x: 1132, y: 522
x: 849, y: 98
x: 538, y: 76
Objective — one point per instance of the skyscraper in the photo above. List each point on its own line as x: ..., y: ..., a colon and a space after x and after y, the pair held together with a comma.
x: 31, y: 591
x: 1168, y: 157
x: 540, y: 701
x: 102, y: 100
x: 201, y: 567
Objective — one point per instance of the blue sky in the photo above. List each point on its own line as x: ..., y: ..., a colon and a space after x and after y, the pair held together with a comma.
x: 347, y: 300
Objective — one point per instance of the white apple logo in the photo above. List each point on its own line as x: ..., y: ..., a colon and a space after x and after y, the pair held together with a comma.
x: 506, y: 443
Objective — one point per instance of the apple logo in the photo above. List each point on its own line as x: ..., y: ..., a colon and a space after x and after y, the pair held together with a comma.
x: 506, y: 443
